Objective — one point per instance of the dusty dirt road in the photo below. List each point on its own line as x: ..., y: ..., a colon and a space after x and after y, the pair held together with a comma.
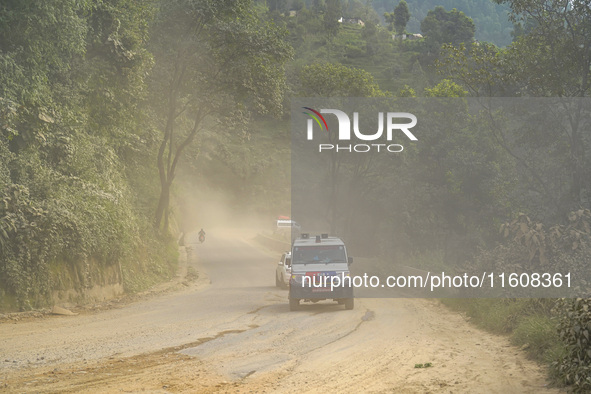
x: 232, y: 332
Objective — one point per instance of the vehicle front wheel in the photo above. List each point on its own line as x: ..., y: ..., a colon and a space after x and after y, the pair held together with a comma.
x: 294, y: 304
x: 349, y: 303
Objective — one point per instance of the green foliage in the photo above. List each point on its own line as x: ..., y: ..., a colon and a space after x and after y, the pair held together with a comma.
x: 490, y: 19
x: 479, y: 69
x: 46, y: 216
x: 446, y: 88
x: 529, y: 246
x: 30, y: 60
x: 369, y: 47
x: 327, y: 79
x: 74, y: 188
x: 574, y: 367
x: 501, y: 315
x: 369, y: 31
x: 538, y: 334
x: 398, y: 19
x: 389, y: 17
x: 401, y: 17
x: 447, y: 27
x: 225, y: 49
x: 277, y: 5
x: 331, y: 17
x: 553, y: 58
x: 407, y: 91
x: 486, y: 70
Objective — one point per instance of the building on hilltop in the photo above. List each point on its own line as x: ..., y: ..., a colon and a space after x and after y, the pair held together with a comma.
x: 352, y: 21
x: 407, y: 36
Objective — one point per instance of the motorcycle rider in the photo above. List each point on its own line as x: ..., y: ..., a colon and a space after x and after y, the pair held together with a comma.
x: 201, y: 235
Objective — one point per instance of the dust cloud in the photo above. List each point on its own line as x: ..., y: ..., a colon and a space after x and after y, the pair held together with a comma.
x: 220, y: 213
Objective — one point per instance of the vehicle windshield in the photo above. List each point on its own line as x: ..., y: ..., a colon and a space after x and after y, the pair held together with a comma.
x: 318, y: 254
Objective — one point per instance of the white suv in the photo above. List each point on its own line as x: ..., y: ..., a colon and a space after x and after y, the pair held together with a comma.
x: 283, y: 271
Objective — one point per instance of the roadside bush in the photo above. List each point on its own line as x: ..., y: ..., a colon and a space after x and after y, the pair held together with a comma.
x: 561, y: 248
x: 49, y: 217
x: 574, y: 328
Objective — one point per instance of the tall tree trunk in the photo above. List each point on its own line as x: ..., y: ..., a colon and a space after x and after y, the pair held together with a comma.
x: 167, y: 170
x: 162, y: 206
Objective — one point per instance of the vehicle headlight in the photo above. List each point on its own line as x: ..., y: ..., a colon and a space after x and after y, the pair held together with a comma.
x: 297, y: 278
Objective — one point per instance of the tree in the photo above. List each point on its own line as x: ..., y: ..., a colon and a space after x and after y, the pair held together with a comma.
x: 389, y: 17
x: 550, y: 58
x: 277, y: 5
x: 331, y: 18
x: 446, y: 88
x: 555, y: 46
x: 553, y: 58
x: 216, y: 61
x: 444, y: 27
x: 369, y: 31
x: 336, y: 80
x: 370, y: 35
x: 401, y: 17
x: 328, y: 79
x: 318, y: 5
x: 298, y: 5
x: 478, y: 68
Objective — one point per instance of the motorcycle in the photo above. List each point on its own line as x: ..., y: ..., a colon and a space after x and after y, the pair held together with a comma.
x: 201, y: 238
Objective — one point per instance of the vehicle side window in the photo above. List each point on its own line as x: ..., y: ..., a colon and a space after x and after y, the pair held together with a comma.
x: 288, y: 262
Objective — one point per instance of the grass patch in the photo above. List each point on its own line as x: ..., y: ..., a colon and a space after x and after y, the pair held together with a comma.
x: 528, y: 322
x: 538, y: 334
